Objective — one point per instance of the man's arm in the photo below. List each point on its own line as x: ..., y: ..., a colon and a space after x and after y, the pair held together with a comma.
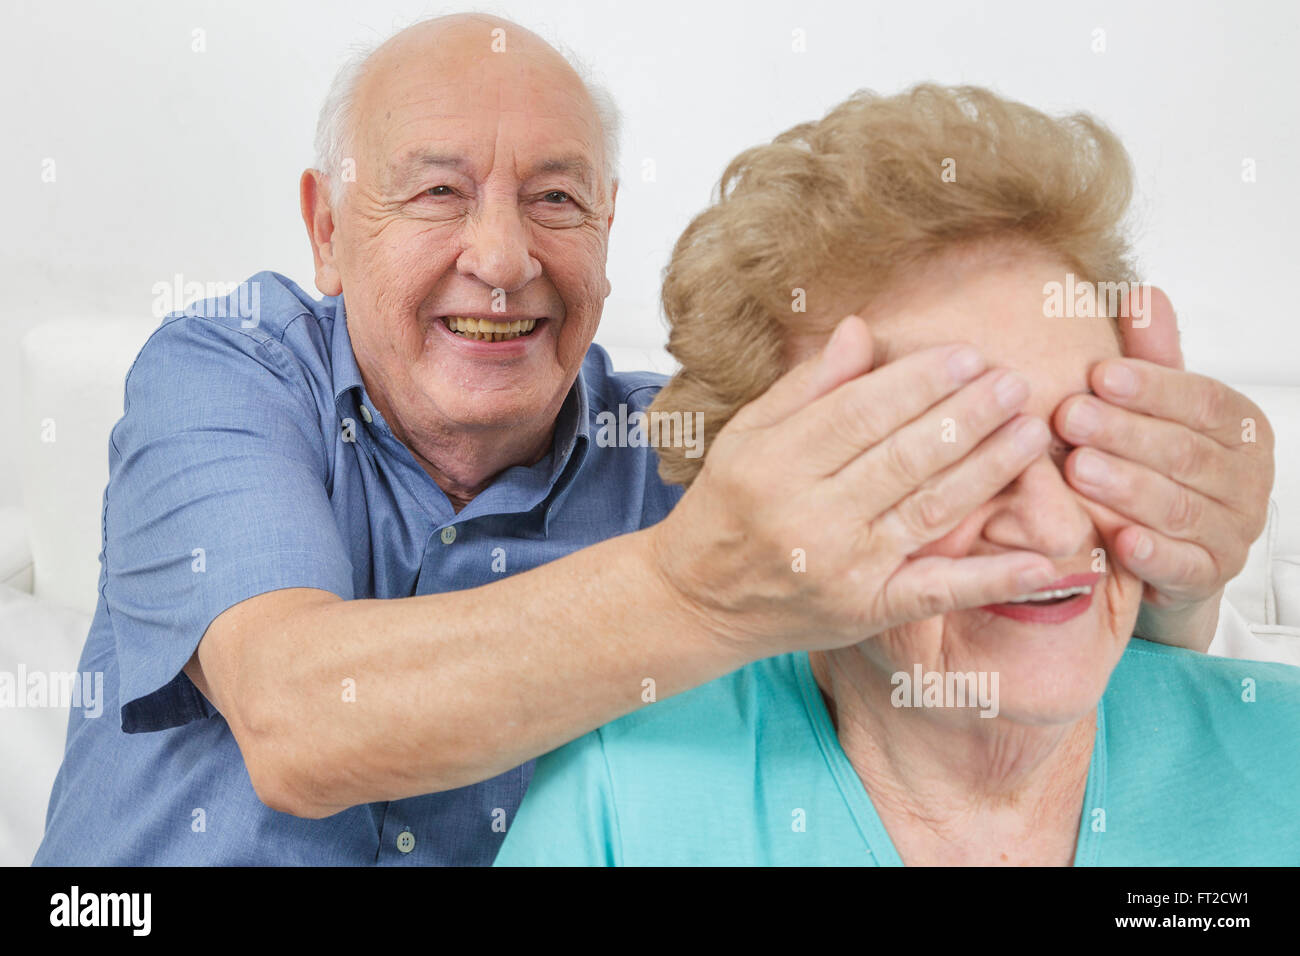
x: 455, y: 688
x: 449, y: 689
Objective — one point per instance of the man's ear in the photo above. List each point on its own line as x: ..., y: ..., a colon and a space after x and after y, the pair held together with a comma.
x: 313, y: 197
x: 1148, y: 327
x: 613, y: 197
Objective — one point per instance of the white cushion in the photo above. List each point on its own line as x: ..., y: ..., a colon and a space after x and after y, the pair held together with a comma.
x: 15, y: 549
x: 73, y: 373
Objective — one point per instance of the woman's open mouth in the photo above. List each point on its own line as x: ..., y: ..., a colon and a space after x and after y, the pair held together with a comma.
x: 1066, y: 599
x: 488, y: 330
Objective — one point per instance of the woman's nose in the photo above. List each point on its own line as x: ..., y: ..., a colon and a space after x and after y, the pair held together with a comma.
x: 496, y: 250
x: 1040, y: 512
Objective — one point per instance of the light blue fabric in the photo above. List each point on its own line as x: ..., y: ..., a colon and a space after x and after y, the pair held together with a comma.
x: 747, y: 770
x: 245, y: 462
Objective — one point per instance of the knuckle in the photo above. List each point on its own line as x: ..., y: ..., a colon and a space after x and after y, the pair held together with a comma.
x: 1185, y: 511
x: 1188, y: 456
x: 1211, y: 406
x: 926, y: 514
x: 933, y: 597
x: 902, y: 462
x: 861, y: 420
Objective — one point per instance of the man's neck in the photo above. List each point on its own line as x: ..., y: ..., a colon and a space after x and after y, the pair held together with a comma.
x: 465, y: 467
x: 463, y: 462
x: 954, y: 788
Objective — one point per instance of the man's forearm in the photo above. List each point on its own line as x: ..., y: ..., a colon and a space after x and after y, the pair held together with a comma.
x: 359, y: 701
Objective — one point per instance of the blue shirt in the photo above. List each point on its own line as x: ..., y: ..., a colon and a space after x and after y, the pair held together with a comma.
x: 250, y: 458
x: 1196, y: 761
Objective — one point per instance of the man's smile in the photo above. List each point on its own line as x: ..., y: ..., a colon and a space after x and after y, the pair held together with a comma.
x: 489, y: 330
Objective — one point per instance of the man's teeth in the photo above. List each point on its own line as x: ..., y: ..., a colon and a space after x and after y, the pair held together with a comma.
x: 487, y: 331
x: 1051, y: 595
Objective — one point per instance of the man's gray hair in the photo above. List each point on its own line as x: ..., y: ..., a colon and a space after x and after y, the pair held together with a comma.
x: 336, y: 125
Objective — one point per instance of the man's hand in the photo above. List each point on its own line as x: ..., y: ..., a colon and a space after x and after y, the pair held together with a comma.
x: 797, y: 532
x: 1184, y: 458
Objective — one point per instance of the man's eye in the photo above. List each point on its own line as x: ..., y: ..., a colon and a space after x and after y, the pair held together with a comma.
x: 556, y: 196
x: 434, y: 191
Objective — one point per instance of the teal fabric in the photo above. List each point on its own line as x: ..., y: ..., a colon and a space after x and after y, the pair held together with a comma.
x: 747, y: 770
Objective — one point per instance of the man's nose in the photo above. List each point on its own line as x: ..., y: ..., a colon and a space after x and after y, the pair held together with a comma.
x: 496, y: 250
x: 1041, y: 512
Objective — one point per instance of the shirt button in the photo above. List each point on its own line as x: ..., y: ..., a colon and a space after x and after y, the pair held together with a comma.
x: 365, y: 413
x: 449, y: 534
x: 406, y: 841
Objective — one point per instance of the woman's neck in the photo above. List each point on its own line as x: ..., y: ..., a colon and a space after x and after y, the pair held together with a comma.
x: 952, y: 787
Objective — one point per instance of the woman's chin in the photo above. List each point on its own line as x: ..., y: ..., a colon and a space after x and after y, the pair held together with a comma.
x: 1047, y: 672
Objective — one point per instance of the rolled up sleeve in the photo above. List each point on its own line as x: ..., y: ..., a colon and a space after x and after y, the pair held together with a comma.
x: 217, y: 492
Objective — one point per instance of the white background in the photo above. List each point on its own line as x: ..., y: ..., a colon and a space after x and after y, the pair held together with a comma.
x: 171, y: 161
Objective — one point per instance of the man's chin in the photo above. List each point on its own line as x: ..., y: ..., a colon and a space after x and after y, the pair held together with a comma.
x: 493, y: 411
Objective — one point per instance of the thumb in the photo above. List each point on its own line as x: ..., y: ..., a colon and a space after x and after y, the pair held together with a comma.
x: 1149, y: 327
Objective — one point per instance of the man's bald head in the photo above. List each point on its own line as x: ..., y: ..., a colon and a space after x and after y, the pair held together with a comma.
x: 463, y: 47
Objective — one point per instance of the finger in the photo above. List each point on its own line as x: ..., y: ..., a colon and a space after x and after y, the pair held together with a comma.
x: 942, y: 503
x: 1201, y: 403
x: 934, y: 585
x: 847, y: 354
x: 1149, y: 328
x: 1178, y: 570
x: 1167, y: 448
x: 837, y: 428
x: 945, y: 434
x: 1143, y: 496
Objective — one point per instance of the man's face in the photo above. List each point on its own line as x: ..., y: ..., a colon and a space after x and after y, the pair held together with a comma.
x: 1050, y: 671
x: 479, y: 194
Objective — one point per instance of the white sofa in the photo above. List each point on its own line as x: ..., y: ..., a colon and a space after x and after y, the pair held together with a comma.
x: 71, y: 395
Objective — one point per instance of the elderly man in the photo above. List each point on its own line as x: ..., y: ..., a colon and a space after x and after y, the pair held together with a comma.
x: 364, y: 558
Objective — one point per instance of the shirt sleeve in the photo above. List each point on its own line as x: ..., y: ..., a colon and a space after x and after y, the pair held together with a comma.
x: 568, y: 817
x: 218, y: 473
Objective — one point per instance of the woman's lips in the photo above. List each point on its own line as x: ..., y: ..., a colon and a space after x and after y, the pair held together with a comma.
x: 1043, y: 613
x: 1052, y: 613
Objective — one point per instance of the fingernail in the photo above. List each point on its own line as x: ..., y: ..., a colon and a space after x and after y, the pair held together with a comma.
x: 964, y: 364
x: 1090, y: 469
x: 1011, y: 389
x: 1030, y: 436
x: 1082, y: 419
x: 1142, y: 547
x: 1120, y: 381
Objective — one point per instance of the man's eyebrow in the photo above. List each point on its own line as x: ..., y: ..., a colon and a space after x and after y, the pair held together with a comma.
x: 574, y: 166
x: 414, y: 163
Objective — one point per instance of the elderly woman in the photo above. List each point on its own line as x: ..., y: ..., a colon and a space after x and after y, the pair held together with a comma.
x: 1039, y: 731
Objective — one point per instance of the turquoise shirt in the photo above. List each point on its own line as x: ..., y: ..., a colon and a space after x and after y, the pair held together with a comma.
x: 1196, y: 762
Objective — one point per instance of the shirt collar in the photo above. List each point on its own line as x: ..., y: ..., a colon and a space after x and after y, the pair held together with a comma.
x: 346, y: 373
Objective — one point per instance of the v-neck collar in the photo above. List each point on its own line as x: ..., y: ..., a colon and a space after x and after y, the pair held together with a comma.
x: 878, y: 844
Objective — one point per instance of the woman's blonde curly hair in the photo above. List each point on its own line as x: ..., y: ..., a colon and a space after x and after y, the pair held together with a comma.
x: 843, y: 207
